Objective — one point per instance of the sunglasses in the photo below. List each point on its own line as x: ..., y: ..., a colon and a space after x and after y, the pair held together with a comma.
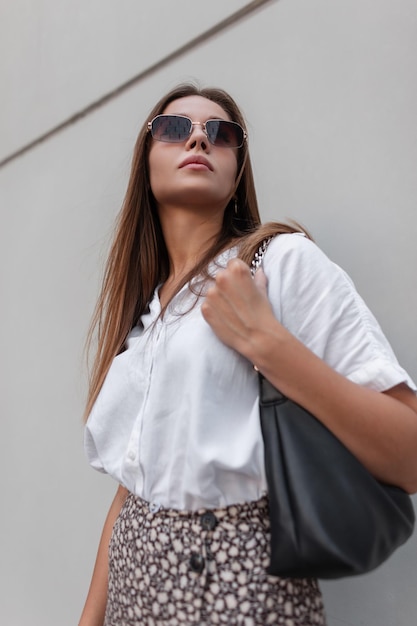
x: 177, y: 128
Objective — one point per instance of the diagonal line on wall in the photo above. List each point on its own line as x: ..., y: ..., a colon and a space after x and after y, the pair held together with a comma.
x: 231, y: 20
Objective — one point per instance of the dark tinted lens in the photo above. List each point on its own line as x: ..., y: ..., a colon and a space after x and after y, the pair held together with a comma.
x: 171, y: 128
x: 224, y: 134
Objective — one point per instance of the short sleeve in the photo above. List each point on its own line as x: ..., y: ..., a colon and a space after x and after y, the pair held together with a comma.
x: 318, y: 303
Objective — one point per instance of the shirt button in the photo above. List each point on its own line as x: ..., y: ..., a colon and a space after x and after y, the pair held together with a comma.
x: 196, y: 562
x: 154, y: 507
x: 132, y: 455
x: 208, y: 520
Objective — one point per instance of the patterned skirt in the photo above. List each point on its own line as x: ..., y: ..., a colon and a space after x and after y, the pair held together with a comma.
x: 179, y: 568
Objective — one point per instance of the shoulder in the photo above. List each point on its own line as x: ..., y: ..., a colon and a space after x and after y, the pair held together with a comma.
x: 296, y: 259
x: 317, y: 302
x: 292, y: 245
x: 304, y: 283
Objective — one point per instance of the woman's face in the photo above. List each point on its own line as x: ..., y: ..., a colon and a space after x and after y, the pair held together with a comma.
x: 193, y: 173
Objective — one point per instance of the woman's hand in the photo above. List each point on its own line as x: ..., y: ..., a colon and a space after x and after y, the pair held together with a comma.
x: 238, y: 310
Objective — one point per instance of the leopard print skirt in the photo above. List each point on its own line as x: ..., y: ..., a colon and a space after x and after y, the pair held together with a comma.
x: 180, y: 568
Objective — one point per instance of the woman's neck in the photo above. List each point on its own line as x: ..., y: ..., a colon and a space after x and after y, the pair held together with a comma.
x: 188, y: 235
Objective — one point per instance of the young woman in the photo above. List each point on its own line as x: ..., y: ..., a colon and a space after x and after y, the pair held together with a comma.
x: 173, y: 405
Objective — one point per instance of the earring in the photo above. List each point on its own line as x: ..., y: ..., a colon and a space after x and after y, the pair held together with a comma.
x: 236, y: 207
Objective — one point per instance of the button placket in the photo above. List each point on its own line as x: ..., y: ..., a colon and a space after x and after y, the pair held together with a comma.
x: 208, y: 522
x: 198, y: 561
x: 136, y: 437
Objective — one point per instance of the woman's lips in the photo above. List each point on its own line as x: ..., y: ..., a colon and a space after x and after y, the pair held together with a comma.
x: 196, y: 163
x: 195, y: 166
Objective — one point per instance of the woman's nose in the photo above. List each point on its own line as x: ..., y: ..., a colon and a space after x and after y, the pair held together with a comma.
x: 198, y: 138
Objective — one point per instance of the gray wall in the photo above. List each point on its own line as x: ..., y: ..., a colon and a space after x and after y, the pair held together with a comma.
x: 330, y: 93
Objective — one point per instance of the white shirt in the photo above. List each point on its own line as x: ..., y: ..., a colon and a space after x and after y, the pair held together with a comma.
x: 177, y: 420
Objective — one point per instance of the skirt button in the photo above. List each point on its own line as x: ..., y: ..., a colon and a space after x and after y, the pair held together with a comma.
x: 208, y: 520
x: 196, y: 562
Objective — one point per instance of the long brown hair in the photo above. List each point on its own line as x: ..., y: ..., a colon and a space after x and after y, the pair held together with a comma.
x: 138, y: 257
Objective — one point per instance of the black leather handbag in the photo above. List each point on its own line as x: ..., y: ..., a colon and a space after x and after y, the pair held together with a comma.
x: 330, y: 518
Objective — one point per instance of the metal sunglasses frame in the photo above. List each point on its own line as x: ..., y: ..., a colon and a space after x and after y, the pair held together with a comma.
x: 203, y: 126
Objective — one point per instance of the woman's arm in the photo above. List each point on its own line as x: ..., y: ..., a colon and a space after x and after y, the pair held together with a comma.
x: 95, y: 605
x: 379, y: 428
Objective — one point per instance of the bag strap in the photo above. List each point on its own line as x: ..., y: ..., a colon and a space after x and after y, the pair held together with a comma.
x: 259, y: 255
x: 268, y: 394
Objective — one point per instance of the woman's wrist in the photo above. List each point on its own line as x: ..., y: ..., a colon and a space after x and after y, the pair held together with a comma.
x: 268, y: 346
